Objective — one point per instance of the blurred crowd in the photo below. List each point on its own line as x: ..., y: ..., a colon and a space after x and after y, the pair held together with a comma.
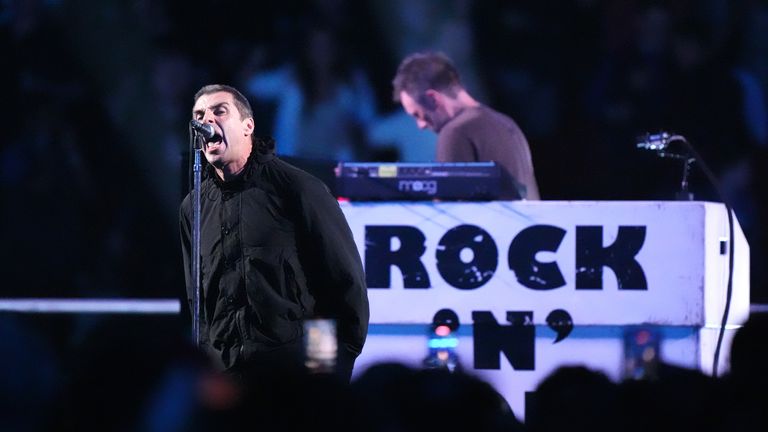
x: 128, y: 376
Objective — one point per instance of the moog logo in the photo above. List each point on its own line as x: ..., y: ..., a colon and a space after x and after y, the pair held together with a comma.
x: 428, y: 187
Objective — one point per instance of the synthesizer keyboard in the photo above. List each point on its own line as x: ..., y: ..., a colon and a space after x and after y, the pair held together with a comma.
x: 409, y: 181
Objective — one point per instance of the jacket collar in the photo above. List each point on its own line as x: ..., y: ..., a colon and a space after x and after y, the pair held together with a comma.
x: 262, y: 152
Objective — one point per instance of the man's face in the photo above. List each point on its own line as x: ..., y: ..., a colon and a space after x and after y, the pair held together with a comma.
x: 233, y: 133
x: 426, y: 118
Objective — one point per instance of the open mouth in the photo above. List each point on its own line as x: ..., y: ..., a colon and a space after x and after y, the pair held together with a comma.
x: 214, y: 144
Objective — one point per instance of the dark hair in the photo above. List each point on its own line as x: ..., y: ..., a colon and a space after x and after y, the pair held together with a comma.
x: 263, y: 145
x: 422, y: 71
x: 241, y: 102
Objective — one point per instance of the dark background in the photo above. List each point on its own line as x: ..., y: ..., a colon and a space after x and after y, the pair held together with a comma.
x: 97, y: 96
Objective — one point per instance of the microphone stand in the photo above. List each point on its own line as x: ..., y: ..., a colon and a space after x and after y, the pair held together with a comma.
x: 660, y: 143
x: 684, y: 194
x: 197, y: 141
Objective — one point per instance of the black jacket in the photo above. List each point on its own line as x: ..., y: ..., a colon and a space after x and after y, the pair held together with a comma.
x: 275, y: 249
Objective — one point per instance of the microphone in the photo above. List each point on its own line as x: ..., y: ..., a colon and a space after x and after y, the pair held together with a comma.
x: 204, y: 129
x: 663, y: 143
x: 658, y: 141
